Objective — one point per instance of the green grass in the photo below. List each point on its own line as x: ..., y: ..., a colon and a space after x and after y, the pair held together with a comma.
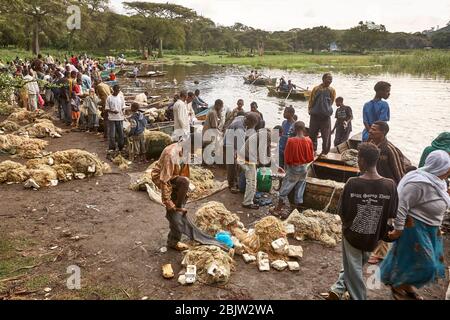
x: 435, y: 63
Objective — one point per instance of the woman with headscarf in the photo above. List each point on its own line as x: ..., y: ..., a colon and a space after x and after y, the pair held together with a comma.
x: 417, y: 256
x: 442, y: 142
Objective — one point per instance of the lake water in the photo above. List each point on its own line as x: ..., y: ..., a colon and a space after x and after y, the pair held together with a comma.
x: 420, y: 107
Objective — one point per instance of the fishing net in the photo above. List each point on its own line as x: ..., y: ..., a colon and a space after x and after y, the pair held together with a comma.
x: 6, y: 109
x: 121, y: 162
x: 317, y: 225
x: 59, y: 166
x: 9, y: 126
x: 350, y: 157
x: 41, y: 128
x: 266, y: 231
x: 156, y: 115
x: 213, y: 217
x: 24, y: 116
x: 156, y: 142
x: 43, y: 175
x: 210, y: 258
x: 23, y: 146
x: 12, y: 172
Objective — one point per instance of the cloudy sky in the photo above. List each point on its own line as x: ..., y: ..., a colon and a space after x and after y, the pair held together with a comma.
x: 271, y: 15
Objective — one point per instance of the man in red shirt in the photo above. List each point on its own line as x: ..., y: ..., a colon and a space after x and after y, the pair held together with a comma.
x: 298, y: 153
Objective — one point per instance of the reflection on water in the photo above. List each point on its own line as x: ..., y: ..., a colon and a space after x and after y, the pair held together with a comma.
x: 419, y: 106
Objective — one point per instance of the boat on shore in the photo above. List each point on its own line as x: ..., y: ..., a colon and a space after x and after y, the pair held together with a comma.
x: 260, y: 81
x: 297, y: 94
x: 150, y: 74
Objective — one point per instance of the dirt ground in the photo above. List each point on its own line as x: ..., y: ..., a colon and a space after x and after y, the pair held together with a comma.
x: 120, y: 233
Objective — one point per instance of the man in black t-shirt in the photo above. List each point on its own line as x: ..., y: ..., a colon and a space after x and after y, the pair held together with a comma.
x: 343, y: 124
x: 367, y: 203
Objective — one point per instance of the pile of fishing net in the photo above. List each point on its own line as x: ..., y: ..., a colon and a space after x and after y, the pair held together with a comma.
x: 317, y: 225
x: 155, y: 115
x: 24, y: 117
x: 41, y: 128
x: 213, y: 264
x: 9, y: 126
x: 6, y: 109
x: 12, y: 172
x: 59, y: 166
x: 156, y: 142
x: 202, y: 179
x: 350, y: 157
x: 213, y: 217
x: 25, y: 147
x: 121, y: 162
x: 266, y: 231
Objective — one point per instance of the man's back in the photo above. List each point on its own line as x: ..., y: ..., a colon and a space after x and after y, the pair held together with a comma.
x: 365, y: 207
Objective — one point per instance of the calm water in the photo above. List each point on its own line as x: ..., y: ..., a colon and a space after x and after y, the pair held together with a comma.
x: 420, y: 107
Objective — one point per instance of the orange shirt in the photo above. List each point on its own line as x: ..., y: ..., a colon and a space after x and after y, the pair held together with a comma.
x: 299, y: 151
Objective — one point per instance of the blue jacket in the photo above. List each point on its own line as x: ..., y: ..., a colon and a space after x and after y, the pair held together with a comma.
x: 138, y: 124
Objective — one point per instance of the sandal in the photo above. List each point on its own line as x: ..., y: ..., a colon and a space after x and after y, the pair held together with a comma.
x: 374, y: 260
x: 251, y: 206
x: 400, y: 294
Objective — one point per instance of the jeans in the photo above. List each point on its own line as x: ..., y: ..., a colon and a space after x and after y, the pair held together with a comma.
x: 179, y: 224
x: 294, y: 179
x: 322, y: 125
x: 250, y: 178
x: 66, y: 111
x: 230, y: 161
x: 116, y: 128
x: 351, y: 278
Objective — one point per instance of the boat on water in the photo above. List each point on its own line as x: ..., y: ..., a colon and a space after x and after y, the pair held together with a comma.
x: 260, y: 81
x: 150, y: 74
x: 297, y: 94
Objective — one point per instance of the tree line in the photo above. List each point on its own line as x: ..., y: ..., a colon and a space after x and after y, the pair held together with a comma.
x: 148, y: 27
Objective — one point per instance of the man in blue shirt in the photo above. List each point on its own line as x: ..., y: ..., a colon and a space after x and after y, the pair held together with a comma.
x: 286, y: 126
x: 376, y: 109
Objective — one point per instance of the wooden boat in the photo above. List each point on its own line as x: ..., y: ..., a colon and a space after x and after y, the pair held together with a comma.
x: 294, y: 95
x: 261, y: 81
x: 332, y: 166
x: 150, y: 74
x: 166, y: 127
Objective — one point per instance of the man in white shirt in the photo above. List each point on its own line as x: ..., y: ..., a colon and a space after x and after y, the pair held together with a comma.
x: 181, y: 116
x: 33, y: 91
x: 114, y: 106
x: 190, y: 109
x: 142, y: 99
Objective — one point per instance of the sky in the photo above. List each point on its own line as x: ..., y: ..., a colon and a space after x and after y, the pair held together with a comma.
x: 282, y: 15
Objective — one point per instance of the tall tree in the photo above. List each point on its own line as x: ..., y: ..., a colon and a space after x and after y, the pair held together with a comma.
x: 37, y: 12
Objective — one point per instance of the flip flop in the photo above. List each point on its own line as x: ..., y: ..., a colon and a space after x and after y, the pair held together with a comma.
x: 374, y: 260
x: 399, y: 294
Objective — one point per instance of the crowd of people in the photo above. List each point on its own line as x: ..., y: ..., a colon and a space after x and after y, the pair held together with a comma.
x: 391, y: 201
x: 391, y: 213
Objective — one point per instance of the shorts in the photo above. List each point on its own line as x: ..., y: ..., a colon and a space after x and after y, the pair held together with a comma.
x: 76, y: 115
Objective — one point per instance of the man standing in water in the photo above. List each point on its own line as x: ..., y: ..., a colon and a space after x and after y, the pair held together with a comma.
x: 376, y: 109
x: 320, y: 109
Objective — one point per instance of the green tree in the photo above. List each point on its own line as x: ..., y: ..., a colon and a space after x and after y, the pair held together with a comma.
x: 363, y: 37
x: 36, y: 13
x: 317, y: 38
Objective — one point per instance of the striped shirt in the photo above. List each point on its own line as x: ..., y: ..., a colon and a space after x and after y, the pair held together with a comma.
x: 392, y: 163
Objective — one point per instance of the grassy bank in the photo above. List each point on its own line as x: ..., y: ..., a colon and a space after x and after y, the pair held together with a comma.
x: 434, y: 63
x: 431, y: 63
